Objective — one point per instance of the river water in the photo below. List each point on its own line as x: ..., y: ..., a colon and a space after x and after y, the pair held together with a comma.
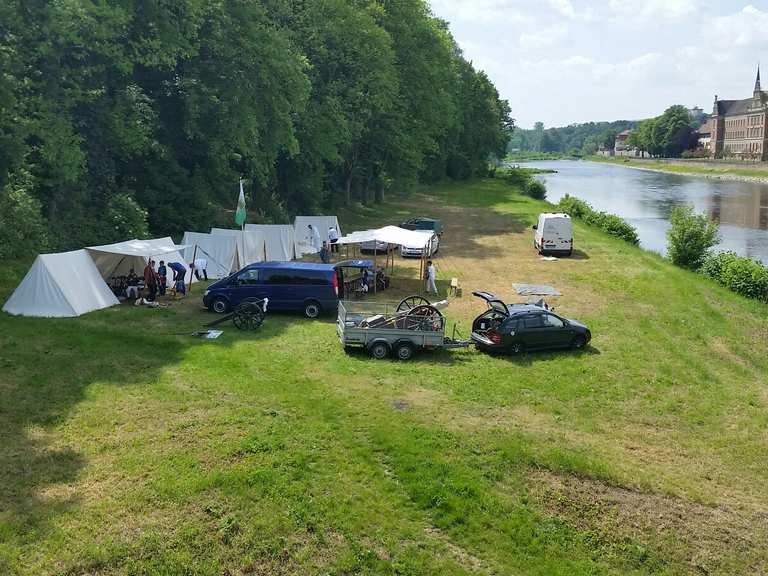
x: 645, y: 199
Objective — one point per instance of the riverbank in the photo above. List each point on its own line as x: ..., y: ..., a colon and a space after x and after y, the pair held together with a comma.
x: 129, y: 447
x: 714, y: 170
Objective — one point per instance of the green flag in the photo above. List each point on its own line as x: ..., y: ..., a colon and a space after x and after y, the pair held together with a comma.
x: 240, y: 212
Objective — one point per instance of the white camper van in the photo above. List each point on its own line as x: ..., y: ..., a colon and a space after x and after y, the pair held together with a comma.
x: 554, y: 234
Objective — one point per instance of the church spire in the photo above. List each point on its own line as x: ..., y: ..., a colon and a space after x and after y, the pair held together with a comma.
x: 757, y: 81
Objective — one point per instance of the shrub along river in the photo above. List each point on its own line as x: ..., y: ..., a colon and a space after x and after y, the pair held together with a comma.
x: 645, y: 199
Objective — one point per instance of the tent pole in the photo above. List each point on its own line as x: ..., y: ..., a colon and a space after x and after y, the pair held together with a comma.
x: 375, y: 254
x: 192, y: 269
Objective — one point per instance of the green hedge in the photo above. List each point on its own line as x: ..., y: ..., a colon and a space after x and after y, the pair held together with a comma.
x: 609, y: 223
x: 742, y: 275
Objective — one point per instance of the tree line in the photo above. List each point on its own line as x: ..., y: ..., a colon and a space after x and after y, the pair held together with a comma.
x: 575, y: 139
x: 128, y: 117
x: 668, y: 135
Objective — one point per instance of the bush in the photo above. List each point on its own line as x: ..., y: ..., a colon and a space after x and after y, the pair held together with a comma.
x: 23, y: 230
x: 609, y: 223
x: 739, y: 274
x: 535, y: 189
x: 125, y: 219
x: 574, y: 207
x: 690, y: 237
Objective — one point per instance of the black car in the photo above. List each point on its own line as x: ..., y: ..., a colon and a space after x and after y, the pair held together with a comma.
x: 432, y: 224
x: 514, y: 328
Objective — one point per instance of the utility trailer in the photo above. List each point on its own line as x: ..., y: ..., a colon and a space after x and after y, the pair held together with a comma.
x: 385, y: 329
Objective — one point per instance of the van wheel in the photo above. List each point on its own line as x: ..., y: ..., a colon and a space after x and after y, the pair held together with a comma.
x: 220, y: 306
x: 379, y: 350
x: 405, y: 351
x: 312, y: 310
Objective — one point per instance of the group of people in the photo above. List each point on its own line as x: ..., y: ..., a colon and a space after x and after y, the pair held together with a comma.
x: 156, y: 280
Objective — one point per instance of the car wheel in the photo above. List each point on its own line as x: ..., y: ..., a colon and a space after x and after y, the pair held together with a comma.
x: 379, y: 350
x: 405, y: 351
x: 516, y: 348
x: 578, y: 342
x: 220, y: 306
x: 312, y: 310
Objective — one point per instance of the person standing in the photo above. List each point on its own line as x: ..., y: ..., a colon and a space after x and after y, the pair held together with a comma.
x: 162, y: 278
x: 431, y: 276
x: 333, y: 236
x: 315, y: 238
x: 325, y: 253
x: 132, y: 285
x: 150, y: 280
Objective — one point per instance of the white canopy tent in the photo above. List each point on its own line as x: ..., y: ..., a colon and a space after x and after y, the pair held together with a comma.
x: 61, y: 285
x: 279, y: 240
x: 118, y: 259
x: 219, y: 251
x: 250, y: 244
x: 390, y: 235
x: 303, y: 236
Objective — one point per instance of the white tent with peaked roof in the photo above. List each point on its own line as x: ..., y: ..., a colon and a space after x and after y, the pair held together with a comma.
x: 219, y: 251
x: 118, y: 259
x: 278, y: 240
x: 250, y: 244
x: 61, y: 285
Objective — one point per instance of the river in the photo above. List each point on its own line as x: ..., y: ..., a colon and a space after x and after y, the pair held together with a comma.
x: 645, y: 200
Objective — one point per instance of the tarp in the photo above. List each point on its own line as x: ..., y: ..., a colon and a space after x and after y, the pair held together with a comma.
x: 303, y: 236
x: 61, y: 285
x: 118, y: 259
x: 218, y: 250
x: 250, y: 244
x: 279, y: 240
x: 391, y: 235
x: 536, y: 290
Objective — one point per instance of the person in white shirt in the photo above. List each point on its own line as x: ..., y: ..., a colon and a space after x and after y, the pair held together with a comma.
x: 431, y: 276
x: 315, y: 240
x: 333, y: 236
x: 200, y: 265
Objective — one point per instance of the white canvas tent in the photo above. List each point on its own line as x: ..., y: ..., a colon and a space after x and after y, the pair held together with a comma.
x: 303, y: 236
x: 118, y: 259
x: 61, y: 285
x: 250, y: 244
x: 279, y: 240
x: 219, y: 251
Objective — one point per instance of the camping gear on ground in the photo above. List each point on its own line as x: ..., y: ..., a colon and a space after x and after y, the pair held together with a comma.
x: 535, y: 290
x: 554, y: 234
x: 248, y: 315
x: 385, y: 329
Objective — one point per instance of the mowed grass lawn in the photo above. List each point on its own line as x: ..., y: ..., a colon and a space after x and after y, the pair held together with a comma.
x: 128, y: 447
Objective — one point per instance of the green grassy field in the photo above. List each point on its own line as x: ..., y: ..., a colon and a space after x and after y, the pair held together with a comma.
x: 127, y: 447
x: 695, y: 167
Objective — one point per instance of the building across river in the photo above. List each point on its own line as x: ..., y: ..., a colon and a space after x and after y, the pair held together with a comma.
x: 739, y: 127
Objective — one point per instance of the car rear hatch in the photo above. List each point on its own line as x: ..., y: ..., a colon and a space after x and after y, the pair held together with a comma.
x: 493, y: 301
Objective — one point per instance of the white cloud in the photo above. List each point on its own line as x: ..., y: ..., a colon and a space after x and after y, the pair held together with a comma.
x: 653, y: 9
x: 745, y: 29
x: 563, y: 7
x: 542, y: 38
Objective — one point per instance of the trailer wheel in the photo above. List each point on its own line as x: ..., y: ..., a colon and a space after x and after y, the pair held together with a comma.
x: 405, y: 351
x: 379, y: 350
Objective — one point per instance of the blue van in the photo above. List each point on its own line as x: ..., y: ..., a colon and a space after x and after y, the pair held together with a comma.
x: 292, y: 286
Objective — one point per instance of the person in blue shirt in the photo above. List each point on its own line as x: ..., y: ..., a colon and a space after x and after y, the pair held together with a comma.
x: 162, y: 273
x: 179, y: 273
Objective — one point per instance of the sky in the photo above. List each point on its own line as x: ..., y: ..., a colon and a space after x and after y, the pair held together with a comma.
x: 567, y: 61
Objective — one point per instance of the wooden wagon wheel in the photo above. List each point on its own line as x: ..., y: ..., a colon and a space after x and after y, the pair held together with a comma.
x: 423, y: 317
x: 248, y: 316
x: 412, y: 302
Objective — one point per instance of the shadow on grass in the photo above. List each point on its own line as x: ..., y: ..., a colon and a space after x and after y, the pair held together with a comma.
x: 48, y: 366
x: 539, y: 356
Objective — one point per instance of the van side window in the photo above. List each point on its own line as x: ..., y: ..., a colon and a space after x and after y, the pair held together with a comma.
x: 278, y: 277
x: 248, y: 277
x: 294, y: 277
